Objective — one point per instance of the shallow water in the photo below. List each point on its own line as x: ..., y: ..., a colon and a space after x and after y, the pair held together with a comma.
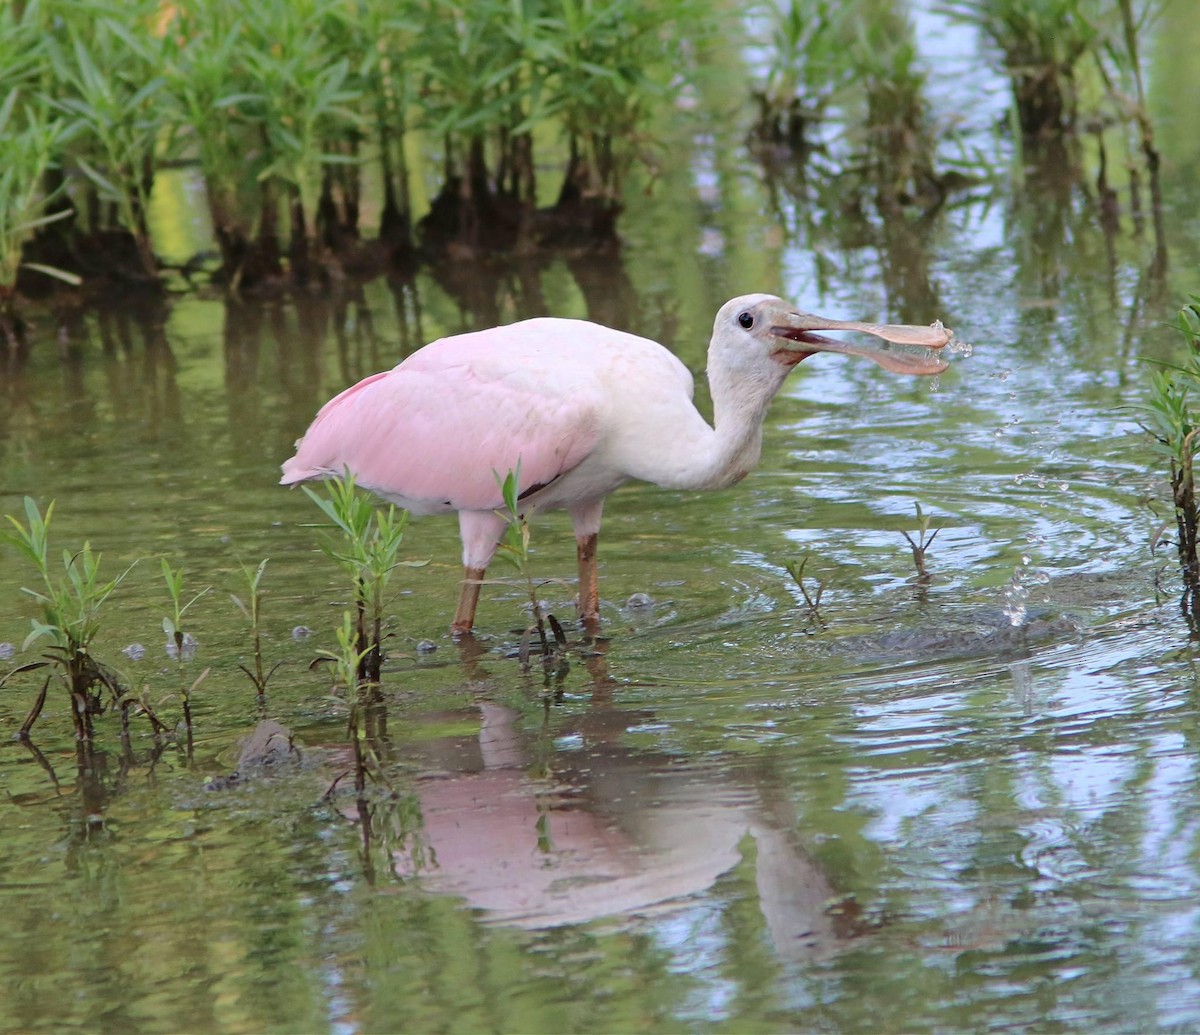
x: 956, y: 806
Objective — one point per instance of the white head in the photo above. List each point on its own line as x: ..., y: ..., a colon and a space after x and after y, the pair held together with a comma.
x: 762, y: 337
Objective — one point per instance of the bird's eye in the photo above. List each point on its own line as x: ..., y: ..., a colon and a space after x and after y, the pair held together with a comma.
x: 746, y: 320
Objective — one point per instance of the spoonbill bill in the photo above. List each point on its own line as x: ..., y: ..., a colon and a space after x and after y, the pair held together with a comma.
x: 581, y: 409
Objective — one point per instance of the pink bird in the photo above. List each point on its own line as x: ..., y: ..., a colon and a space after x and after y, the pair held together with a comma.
x: 582, y: 409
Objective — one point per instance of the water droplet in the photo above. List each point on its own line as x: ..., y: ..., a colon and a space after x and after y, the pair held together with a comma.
x: 1025, y: 559
x: 963, y: 348
x: 1004, y: 375
x: 1064, y: 486
x: 1015, y: 596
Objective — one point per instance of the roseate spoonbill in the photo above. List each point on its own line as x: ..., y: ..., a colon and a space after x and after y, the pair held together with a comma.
x: 582, y: 408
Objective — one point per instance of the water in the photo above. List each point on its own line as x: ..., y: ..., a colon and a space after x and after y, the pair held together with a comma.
x: 963, y: 805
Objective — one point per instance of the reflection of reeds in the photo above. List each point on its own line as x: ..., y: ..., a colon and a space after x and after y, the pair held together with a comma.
x: 899, y: 141
x: 1041, y: 42
x: 1075, y: 65
x: 805, y: 68
x: 861, y: 65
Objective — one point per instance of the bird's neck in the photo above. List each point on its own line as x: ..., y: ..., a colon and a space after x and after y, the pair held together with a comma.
x: 739, y: 408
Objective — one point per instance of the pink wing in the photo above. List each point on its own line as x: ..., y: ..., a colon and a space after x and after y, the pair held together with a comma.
x: 433, y: 433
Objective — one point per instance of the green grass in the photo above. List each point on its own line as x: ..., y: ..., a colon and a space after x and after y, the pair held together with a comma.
x: 287, y: 106
x: 71, y: 601
x: 365, y: 543
x: 1172, y: 417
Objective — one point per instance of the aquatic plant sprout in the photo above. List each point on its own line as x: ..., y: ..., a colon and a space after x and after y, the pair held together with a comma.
x: 1173, y: 420
x: 71, y: 605
x: 514, y: 548
x: 368, y: 551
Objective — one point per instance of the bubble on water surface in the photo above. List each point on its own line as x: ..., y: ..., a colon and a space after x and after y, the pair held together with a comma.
x: 134, y: 652
x: 7, y: 650
x: 301, y: 632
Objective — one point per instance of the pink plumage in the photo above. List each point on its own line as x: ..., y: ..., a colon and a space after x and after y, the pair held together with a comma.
x: 581, y: 408
x: 434, y: 433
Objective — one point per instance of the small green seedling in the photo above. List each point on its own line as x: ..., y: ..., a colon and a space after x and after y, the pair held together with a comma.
x: 368, y: 551
x: 812, y: 600
x: 1173, y: 421
x: 514, y: 548
x: 180, y: 641
x: 71, y: 604
x: 347, y: 663
x: 920, y: 545
x: 251, y: 607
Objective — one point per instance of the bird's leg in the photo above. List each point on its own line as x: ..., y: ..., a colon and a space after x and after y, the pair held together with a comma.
x: 589, y: 589
x: 464, y: 617
x: 481, y: 531
x: 585, y: 518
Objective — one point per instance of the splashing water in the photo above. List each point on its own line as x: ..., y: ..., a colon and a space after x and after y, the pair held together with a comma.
x: 1015, y: 601
x: 954, y: 345
x: 1016, y: 593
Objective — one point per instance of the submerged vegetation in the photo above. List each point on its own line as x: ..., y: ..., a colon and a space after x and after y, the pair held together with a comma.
x: 844, y: 102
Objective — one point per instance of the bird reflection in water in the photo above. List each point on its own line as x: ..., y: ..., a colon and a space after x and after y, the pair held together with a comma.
x: 590, y: 828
